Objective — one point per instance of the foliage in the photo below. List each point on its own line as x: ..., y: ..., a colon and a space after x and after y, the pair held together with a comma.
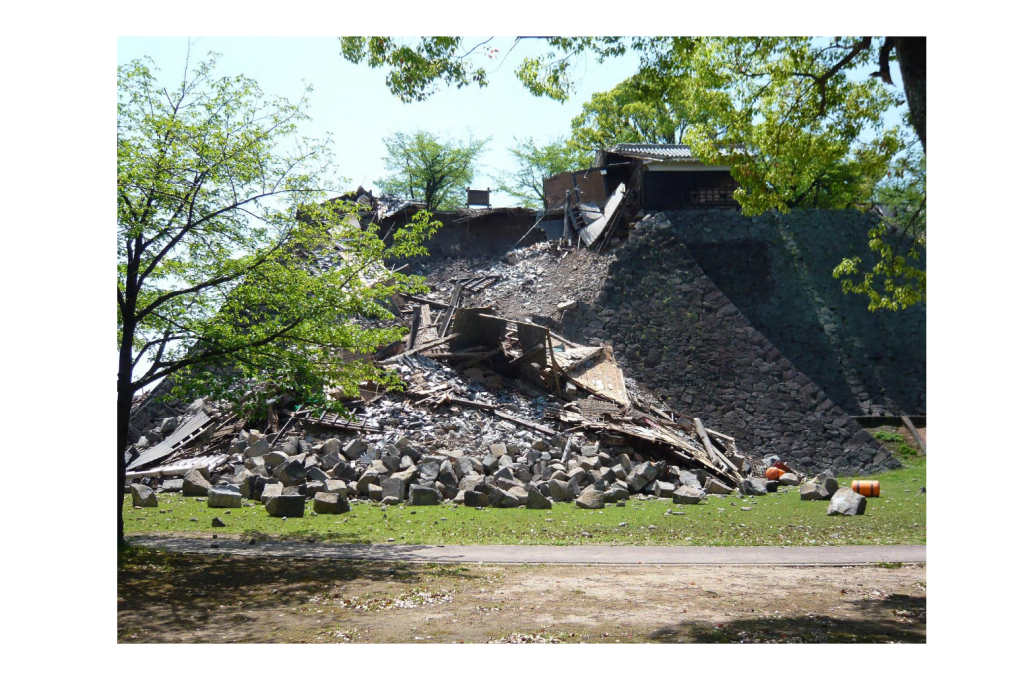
x: 632, y: 112
x: 534, y: 164
x: 897, y: 279
x: 425, y: 168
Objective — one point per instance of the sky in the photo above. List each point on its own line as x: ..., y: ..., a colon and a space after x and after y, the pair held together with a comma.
x: 353, y: 104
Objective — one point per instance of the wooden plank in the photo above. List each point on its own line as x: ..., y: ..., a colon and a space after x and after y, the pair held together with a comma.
x: 456, y: 296
x: 422, y: 347
x: 181, y: 436
x: 472, y: 403
x: 523, y: 422
x: 424, y: 300
x: 913, y: 431
x: 713, y: 452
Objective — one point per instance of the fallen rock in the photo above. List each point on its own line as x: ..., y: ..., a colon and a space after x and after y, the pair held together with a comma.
x: 789, y: 479
x: 194, y: 484
x: 713, y: 486
x: 847, y: 502
x: 753, y: 486
x: 475, y: 499
x: 420, y: 495
x: 688, y: 495
x: 286, y: 506
x: 812, y: 491
x: 330, y: 504
x: 536, y: 500
x: 270, y: 489
x: 590, y: 499
x: 224, y: 496
x: 217, y: 522
x: 143, y: 496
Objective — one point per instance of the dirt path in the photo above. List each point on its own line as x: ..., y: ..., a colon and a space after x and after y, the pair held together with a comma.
x: 166, y: 597
x: 838, y: 555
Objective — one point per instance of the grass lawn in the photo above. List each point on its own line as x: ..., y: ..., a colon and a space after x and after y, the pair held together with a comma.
x: 896, y: 517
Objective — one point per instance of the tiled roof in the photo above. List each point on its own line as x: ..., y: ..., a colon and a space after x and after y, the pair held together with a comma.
x: 652, y: 151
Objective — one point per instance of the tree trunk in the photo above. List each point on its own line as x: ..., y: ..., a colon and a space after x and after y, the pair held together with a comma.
x: 912, y: 55
x: 124, y: 419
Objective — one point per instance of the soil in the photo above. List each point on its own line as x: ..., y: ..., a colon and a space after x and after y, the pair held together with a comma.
x: 165, y: 598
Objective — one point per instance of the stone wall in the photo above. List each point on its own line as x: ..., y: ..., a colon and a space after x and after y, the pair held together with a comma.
x: 777, y: 270
x: 673, y: 329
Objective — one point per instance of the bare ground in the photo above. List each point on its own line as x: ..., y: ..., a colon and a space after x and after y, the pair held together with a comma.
x: 163, y: 597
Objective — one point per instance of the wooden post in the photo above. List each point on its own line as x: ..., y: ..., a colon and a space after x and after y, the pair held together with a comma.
x: 913, y: 431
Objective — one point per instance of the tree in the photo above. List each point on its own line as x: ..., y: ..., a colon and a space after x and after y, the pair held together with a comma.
x: 893, y: 282
x: 425, y: 168
x: 631, y: 112
x: 234, y: 275
x: 535, y: 163
x: 799, y: 121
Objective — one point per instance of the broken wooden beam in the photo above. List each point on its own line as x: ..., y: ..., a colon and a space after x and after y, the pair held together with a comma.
x: 913, y: 431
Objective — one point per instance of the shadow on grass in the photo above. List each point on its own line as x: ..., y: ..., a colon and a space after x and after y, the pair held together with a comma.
x: 208, y: 595
x: 897, y: 618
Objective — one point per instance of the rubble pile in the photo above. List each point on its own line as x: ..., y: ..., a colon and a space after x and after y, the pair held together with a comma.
x: 496, y: 412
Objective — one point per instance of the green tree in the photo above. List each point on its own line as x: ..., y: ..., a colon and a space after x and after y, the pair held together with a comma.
x: 534, y: 164
x: 896, y: 280
x: 428, y: 169
x: 234, y: 274
x: 631, y: 112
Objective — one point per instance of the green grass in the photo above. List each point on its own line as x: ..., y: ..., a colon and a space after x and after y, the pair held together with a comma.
x: 897, y: 445
x: 895, y: 518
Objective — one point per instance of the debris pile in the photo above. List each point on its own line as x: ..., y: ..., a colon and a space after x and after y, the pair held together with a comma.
x: 496, y: 412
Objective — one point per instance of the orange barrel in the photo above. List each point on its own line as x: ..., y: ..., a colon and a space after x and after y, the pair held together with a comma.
x: 773, y: 473
x: 866, y: 487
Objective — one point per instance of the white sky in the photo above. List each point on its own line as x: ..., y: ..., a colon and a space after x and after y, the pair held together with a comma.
x: 354, y: 105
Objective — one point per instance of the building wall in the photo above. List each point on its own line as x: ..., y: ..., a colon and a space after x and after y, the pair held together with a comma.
x: 667, y: 190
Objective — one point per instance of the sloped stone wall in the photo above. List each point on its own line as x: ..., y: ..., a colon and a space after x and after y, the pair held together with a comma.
x: 673, y: 329
x: 777, y: 270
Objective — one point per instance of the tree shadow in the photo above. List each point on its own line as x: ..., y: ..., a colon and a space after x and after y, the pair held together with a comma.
x: 207, y: 595
x: 897, y: 618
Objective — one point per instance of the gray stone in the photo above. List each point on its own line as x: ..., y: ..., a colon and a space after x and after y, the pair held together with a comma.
x: 420, y: 495
x: 174, y: 485
x: 354, y: 449
x: 753, y: 486
x: 687, y: 495
x: 688, y: 479
x: 847, y: 502
x: 829, y: 482
x: 317, y: 475
x: 375, y: 492
x: 641, y: 475
x: 271, y: 489
x: 663, y: 489
x: 291, y: 472
x: 498, y: 450
x: 713, y: 486
x: 331, y: 446
x: 499, y: 498
x: 561, y: 491
x: 258, y: 448
x: 313, y: 487
x: 393, y: 490
x: 143, y: 496
x: 365, y: 480
x: 224, y: 496
x: 195, y: 484
x: 330, y: 504
x: 535, y: 500
x: 336, y: 487
x: 427, y: 473
x: 274, y: 459
x: 616, y: 493
x: 330, y: 460
x: 217, y: 523
x: 475, y: 499
x: 789, y: 479
x: 286, y: 506
x: 812, y: 491
x: 590, y: 499
x: 519, y: 493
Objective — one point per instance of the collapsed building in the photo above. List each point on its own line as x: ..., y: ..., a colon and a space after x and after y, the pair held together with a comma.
x: 637, y: 336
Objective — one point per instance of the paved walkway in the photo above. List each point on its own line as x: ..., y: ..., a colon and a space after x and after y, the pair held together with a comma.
x: 847, y: 555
